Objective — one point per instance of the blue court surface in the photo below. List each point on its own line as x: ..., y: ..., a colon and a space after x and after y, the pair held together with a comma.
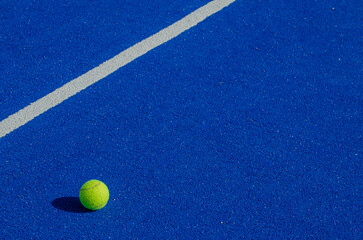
x: 224, y: 119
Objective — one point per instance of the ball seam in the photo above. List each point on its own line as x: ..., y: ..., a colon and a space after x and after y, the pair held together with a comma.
x: 84, y: 189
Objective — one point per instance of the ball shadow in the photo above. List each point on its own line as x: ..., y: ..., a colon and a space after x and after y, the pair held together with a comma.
x: 70, y: 204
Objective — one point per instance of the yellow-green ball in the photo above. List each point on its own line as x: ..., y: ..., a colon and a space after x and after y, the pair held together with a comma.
x: 94, y: 195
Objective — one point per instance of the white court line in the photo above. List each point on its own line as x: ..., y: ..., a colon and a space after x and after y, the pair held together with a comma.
x: 73, y: 87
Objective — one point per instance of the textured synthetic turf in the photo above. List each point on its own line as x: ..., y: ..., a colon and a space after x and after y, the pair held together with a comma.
x: 245, y: 127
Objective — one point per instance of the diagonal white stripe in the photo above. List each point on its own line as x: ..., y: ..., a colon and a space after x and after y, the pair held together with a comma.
x: 73, y: 87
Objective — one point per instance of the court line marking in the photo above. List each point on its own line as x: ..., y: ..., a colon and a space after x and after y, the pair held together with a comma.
x: 82, y: 82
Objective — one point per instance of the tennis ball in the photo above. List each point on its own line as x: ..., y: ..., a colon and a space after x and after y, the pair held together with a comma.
x: 94, y: 195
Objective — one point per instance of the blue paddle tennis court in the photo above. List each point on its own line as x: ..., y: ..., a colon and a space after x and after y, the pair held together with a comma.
x: 206, y: 119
